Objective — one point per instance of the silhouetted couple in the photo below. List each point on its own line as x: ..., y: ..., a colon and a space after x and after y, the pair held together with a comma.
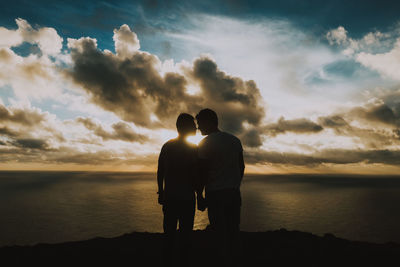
x: 184, y: 170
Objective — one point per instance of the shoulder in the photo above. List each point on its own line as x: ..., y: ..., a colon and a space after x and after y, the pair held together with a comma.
x: 230, y: 136
x: 203, y: 141
x: 192, y: 146
x: 168, y: 144
x: 233, y: 139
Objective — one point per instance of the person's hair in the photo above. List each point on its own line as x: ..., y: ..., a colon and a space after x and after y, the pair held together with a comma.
x: 208, y: 115
x: 184, y: 122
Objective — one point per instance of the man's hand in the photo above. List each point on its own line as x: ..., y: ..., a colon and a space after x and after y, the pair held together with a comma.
x: 201, y: 203
x: 160, y: 197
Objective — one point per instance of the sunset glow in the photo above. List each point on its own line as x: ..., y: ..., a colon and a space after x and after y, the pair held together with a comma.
x: 87, y: 94
x: 195, y: 139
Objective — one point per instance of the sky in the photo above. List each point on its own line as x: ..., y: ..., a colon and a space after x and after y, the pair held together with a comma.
x: 307, y: 86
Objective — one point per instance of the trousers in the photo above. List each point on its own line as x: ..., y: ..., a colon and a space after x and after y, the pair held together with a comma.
x: 224, y: 215
x: 178, y: 212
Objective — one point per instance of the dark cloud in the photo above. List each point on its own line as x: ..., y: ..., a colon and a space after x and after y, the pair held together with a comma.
x: 121, y: 131
x: 131, y: 87
x: 334, y: 156
x: 18, y: 154
x: 236, y: 101
x: 7, y: 132
x: 397, y: 133
x: 378, y: 113
x: 19, y: 125
x: 333, y: 121
x: 24, y: 116
x: 375, y: 125
x: 31, y: 143
x: 124, y: 132
x: 301, y: 125
x: 130, y: 84
x: 252, y: 138
x: 371, y: 137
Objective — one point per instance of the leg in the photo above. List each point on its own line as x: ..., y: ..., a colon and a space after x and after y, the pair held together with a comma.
x: 186, y: 221
x: 211, y: 210
x: 233, y: 227
x: 216, y: 206
x: 169, y: 224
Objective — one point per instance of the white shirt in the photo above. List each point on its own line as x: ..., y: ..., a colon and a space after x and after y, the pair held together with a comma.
x: 222, y: 151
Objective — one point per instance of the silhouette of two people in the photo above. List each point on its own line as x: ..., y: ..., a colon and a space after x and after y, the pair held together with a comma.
x: 185, y: 170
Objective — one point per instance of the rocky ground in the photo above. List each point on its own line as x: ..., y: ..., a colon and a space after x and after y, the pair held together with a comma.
x: 272, y: 248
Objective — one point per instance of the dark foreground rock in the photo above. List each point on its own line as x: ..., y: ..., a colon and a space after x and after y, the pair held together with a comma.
x: 272, y: 248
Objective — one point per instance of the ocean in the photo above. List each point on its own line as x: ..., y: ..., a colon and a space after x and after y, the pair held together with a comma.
x: 53, y: 207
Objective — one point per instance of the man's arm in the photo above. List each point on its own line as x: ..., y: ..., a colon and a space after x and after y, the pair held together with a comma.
x: 202, y: 177
x: 203, y: 172
x: 160, y: 176
x: 241, y: 164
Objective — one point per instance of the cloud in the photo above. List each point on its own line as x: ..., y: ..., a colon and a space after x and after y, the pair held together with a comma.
x: 147, y: 94
x: 387, y: 64
x: 378, y: 113
x: 275, y: 53
x: 101, y: 157
x: 121, y: 131
x: 333, y: 121
x: 337, y: 36
x: 126, y: 41
x: 69, y: 155
x: 375, y: 50
x: 371, y: 138
x: 28, y: 135
x: 124, y: 132
x: 26, y: 116
x: 28, y: 127
x: 301, y: 125
x: 236, y: 101
x: 131, y: 88
x: 252, y: 137
x: 371, y: 42
x: 9, y: 38
x: 328, y: 156
x: 47, y: 39
x: 131, y: 84
x: 31, y: 143
x: 35, y: 75
x: 374, y: 124
x: 5, y: 131
x: 31, y: 76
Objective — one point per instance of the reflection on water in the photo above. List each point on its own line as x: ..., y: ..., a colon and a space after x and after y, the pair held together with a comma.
x: 62, y: 206
x: 356, y: 208
x: 57, y: 206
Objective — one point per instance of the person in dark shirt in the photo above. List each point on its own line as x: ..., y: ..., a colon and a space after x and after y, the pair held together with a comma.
x: 178, y: 180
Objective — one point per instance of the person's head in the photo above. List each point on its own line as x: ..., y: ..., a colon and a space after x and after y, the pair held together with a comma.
x: 185, y: 125
x: 207, y: 121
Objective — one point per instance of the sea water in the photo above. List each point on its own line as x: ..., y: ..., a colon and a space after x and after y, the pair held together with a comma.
x: 53, y: 207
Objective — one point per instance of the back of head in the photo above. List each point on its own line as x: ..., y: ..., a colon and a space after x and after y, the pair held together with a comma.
x: 185, y: 124
x: 208, y: 116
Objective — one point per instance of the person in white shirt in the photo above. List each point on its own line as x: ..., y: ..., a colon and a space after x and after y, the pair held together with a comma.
x: 222, y: 165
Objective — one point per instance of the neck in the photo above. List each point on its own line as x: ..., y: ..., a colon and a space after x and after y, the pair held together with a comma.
x: 215, y: 130
x: 182, y: 137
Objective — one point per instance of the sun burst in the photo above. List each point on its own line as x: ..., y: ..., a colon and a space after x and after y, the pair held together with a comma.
x: 195, y: 139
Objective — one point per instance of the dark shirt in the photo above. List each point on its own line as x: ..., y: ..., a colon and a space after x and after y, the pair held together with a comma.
x: 178, y: 166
